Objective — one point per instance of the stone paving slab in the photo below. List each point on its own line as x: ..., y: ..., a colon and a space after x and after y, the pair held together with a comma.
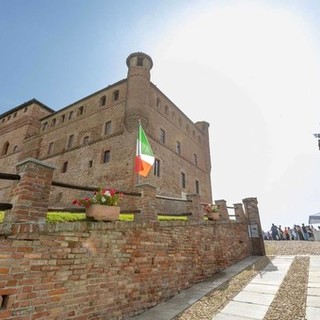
x: 312, y: 313
x: 313, y: 301
x: 313, y: 292
x: 222, y: 316
x: 244, y: 309
x: 252, y: 297
x: 256, y: 298
x: 261, y: 288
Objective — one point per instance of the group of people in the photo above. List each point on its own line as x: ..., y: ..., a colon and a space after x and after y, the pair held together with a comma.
x: 296, y: 233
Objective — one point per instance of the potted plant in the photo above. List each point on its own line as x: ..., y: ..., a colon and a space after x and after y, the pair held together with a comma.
x: 102, y: 204
x: 212, y: 211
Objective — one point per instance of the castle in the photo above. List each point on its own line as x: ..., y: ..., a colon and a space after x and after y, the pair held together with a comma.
x: 92, y: 141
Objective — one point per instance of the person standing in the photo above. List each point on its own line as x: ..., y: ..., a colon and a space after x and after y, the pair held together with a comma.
x: 274, y: 232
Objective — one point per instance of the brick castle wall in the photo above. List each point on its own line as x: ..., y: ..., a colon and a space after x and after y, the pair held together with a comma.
x: 43, y: 134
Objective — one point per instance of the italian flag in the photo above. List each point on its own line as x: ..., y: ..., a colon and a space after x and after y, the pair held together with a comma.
x: 144, y: 156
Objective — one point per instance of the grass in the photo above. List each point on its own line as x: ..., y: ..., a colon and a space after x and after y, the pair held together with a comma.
x: 55, y: 217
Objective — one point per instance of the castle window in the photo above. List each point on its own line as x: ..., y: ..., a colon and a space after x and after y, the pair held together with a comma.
x: 80, y: 110
x: 107, y: 127
x: 62, y: 118
x: 3, y: 119
x: 50, y: 148
x: 158, y: 102
x: 103, y: 101
x: 65, y: 167
x: 70, y: 141
x: 140, y: 61
x: 44, y: 126
x: 183, y: 180
x: 5, y: 148
x: 115, y: 95
x: 178, y: 147
x: 197, y: 187
x: 53, y: 122
x: 15, y: 114
x: 15, y: 149
x: 90, y: 164
x: 85, y: 140
x: 25, y: 109
x: 156, y: 168
x: 195, y: 157
x: 162, y: 136
x: 70, y: 115
x: 106, y: 156
x: 9, y: 117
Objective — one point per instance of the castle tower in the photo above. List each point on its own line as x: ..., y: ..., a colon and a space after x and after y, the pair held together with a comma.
x: 138, y: 90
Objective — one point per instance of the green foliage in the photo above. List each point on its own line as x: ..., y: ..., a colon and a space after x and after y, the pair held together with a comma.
x: 55, y: 217
x: 171, y: 218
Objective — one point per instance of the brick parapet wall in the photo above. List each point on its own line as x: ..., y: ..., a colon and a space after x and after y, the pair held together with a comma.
x: 30, y: 194
x: 86, y: 270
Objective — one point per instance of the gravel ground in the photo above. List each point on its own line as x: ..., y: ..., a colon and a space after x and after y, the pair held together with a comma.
x: 290, y: 301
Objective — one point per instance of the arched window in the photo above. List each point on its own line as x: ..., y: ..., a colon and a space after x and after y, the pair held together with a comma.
x: 178, y: 147
x: 103, y: 101
x: 140, y: 61
x: 86, y: 140
x: 80, y: 110
x: 115, y: 95
x: 5, y: 148
x: 15, y: 149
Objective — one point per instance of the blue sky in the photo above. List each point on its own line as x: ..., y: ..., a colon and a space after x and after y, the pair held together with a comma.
x: 249, y: 68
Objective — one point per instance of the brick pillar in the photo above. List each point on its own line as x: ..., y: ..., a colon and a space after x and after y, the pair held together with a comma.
x: 30, y: 195
x: 222, y: 208
x: 254, y: 225
x: 239, y: 212
x: 194, y: 206
x: 147, y: 204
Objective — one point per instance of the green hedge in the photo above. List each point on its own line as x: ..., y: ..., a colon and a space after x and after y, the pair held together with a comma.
x: 54, y: 217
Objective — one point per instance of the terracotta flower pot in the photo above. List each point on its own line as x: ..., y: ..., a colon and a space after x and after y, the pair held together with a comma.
x: 103, y: 213
x: 213, y: 215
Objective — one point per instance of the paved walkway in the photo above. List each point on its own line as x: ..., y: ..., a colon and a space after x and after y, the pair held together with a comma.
x: 253, y: 301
